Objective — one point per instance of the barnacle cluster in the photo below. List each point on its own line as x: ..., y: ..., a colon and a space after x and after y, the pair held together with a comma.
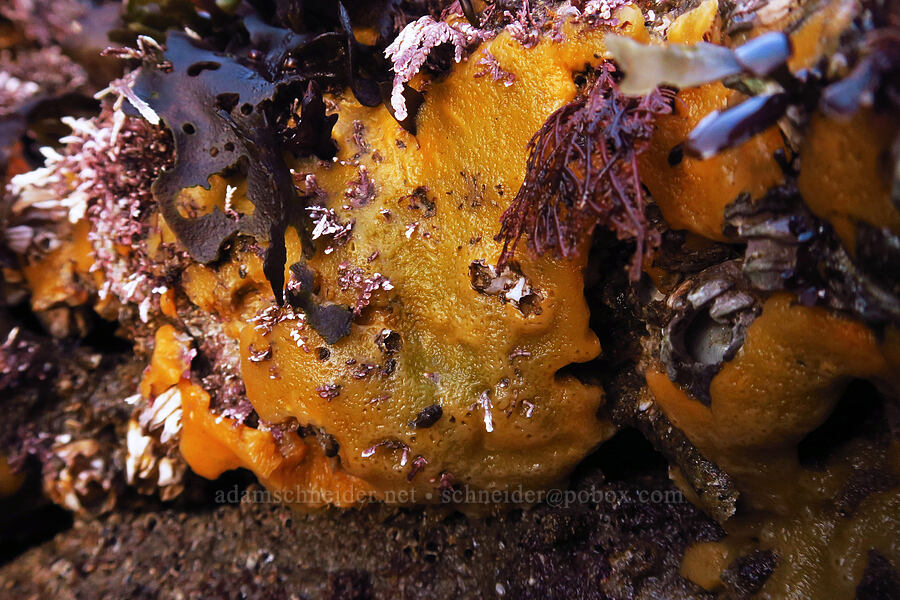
x: 380, y: 256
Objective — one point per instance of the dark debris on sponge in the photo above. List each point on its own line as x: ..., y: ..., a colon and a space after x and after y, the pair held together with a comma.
x: 227, y: 95
x: 331, y: 321
x: 222, y: 116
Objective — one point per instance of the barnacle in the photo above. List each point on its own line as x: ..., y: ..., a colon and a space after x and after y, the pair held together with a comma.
x: 712, y: 313
x: 377, y: 262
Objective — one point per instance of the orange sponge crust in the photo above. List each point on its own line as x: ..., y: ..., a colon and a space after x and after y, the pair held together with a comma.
x: 785, y: 381
x: 293, y: 471
x: 509, y: 418
x: 10, y: 482
x: 170, y: 363
x: 843, y: 179
x: 692, y: 194
x: 63, y: 276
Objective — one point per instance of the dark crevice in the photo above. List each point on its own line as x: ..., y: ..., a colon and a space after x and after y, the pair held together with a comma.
x: 614, y: 319
x: 859, y: 412
x: 28, y: 518
x: 103, y: 338
x: 625, y: 456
